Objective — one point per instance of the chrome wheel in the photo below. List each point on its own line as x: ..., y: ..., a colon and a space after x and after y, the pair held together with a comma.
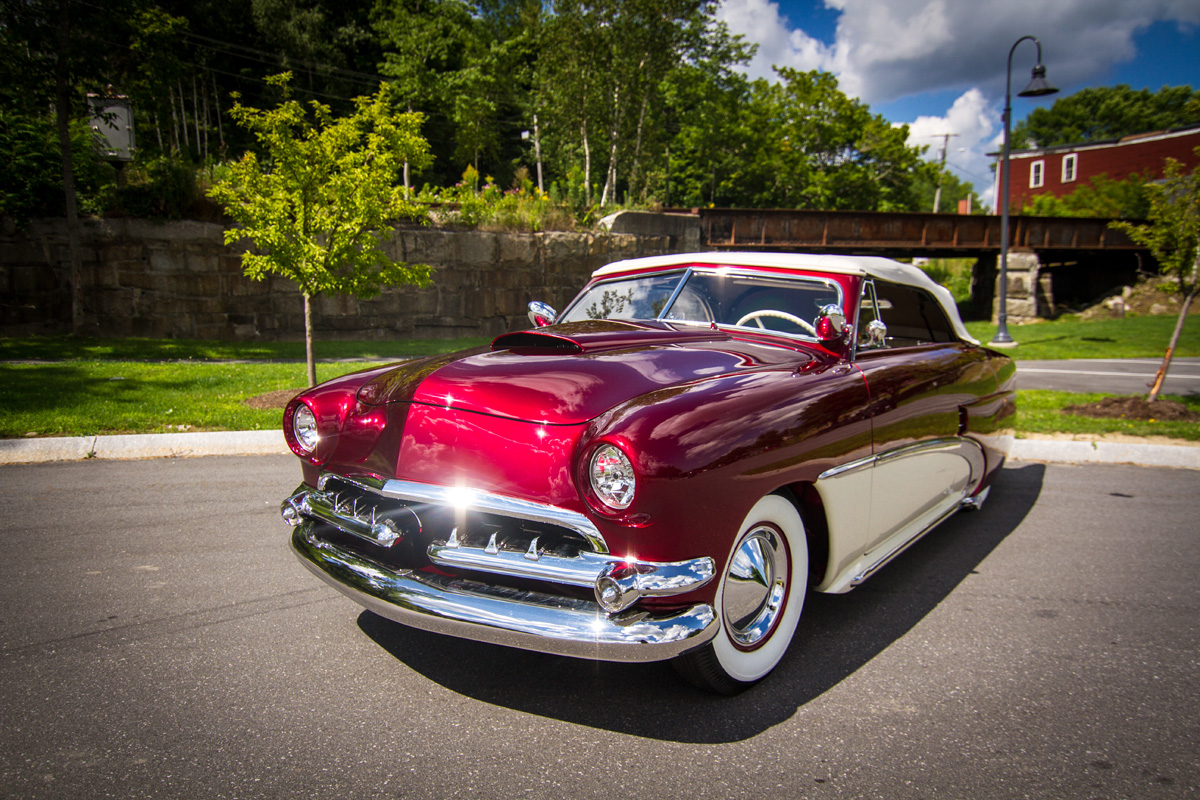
x: 759, y: 600
x: 755, y: 587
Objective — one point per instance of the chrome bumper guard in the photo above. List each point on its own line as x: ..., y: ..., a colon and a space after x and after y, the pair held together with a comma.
x: 501, y: 615
x: 616, y: 582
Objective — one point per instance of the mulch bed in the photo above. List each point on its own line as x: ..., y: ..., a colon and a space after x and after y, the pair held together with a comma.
x: 1135, y: 408
x: 276, y: 399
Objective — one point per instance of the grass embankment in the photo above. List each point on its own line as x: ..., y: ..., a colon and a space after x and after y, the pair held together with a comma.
x: 1069, y: 337
x: 100, y: 386
x: 94, y: 386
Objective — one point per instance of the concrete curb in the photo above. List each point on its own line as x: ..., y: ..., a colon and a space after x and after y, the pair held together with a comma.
x: 158, y: 445
x: 1098, y: 452
x: 261, y: 443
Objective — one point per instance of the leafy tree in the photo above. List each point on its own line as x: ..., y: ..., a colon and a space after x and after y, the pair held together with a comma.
x: 313, y: 206
x: 1173, y: 236
x: 954, y: 189
x: 802, y: 143
x: 1099, y: 197
x: 1107, y: 112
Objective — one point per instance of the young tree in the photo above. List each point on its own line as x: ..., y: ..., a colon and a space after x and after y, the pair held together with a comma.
x: 314, y: 205
x: 1173, y: 236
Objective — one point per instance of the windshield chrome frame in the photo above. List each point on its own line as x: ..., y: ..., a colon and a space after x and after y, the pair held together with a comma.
x: 719, y: 271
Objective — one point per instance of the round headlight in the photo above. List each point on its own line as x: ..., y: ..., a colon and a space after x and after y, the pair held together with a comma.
x: 304, y: 426
x: 612, y: 477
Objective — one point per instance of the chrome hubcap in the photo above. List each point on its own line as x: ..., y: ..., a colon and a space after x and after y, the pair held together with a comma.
x: 755, y: 587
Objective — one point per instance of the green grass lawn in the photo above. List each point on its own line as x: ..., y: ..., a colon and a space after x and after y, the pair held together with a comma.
x: 82, y: 398
x: 1040, y: 411
x: 1070, y: 337
x: 74, y: 348
x: 99, y: 386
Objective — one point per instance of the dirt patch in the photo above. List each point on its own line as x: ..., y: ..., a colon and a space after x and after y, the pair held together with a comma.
x: 276, y: 399
x: 1135, y: 408
x: 1150, y: 297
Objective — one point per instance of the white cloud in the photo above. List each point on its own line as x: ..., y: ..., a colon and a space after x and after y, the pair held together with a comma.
x: 975, y: 129
x: 778, y: 45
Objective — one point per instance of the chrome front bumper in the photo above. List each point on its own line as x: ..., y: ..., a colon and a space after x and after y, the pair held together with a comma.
x: 501, y: 615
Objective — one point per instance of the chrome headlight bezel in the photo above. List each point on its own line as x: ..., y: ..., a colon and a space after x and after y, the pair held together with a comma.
x: 611, y: 477
x: 304, y: 429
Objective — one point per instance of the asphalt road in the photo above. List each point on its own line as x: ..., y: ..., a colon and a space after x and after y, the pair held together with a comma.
x: 157, y: 639
x: 1117, y: 375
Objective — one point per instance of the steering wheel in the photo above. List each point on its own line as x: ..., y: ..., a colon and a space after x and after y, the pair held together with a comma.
x: 756, y: 316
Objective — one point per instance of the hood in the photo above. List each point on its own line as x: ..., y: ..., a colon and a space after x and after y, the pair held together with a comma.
x: 569, y: 374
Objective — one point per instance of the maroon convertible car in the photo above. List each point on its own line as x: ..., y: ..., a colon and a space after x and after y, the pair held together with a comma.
x: 663, y: 470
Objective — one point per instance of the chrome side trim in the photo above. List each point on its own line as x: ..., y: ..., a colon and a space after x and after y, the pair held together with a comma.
x: 848, y: 467
x: 474, y: 500
x: 528, y: 620
x: 931, y: 445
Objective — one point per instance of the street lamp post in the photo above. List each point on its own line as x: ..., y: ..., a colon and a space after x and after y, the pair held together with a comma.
x: 1038, y: 87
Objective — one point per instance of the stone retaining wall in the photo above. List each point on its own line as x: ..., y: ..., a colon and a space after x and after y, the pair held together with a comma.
x: 178, y: 279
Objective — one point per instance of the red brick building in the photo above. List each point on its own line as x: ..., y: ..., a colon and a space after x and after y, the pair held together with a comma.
x: 1063, y: 169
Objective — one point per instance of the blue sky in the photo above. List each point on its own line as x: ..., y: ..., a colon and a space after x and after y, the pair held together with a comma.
x: 939, y: 65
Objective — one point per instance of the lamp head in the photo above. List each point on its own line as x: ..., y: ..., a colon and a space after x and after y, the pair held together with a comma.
x: 1038, y: 85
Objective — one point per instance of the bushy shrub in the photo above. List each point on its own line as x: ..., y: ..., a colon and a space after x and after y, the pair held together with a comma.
x: 520, y: 208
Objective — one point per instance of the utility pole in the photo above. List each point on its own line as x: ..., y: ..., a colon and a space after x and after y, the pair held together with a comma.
x: 937, y: 196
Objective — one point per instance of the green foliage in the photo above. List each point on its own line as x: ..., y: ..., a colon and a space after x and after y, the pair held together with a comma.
x: 1099, y: 197
x: 954, y: 274
x: 520, y: 208
x: 1107, y: 112
x: 325, y: 186
x: 157, y: 187
x: 1173, y: 232
x: 954, y: 189
x: 802, y: 143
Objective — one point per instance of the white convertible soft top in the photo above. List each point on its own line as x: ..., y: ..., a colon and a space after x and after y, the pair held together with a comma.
x: 885, y: 269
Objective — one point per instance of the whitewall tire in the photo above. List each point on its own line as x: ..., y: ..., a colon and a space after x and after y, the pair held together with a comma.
x: 759, y: 600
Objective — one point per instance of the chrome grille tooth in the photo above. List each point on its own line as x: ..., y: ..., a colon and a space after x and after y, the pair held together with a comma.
x: 492, y: 546
x: 453, y: 540
x: 532, y: 553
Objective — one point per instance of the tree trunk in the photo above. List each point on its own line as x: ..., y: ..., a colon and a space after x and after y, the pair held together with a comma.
x: 635, y: 170
x: 217, y: 108
x: 183, y: 120
x: 1161, y: 376
x: 196, y: 111
x: 62, y: 113
x: 610, y: 179
x: 308, y: 342
x: 587, y: 165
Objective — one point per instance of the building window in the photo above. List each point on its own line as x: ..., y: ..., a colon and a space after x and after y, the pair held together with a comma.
x: 1069, y: 168
x: 1036, y: 172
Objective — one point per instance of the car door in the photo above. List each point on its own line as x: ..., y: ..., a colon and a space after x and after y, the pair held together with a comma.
x: 922, y: 465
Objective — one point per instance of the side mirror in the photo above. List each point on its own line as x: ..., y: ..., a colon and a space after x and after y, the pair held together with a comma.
x: 541, y: 314
x: 876, y: 334
x: 830, y: 324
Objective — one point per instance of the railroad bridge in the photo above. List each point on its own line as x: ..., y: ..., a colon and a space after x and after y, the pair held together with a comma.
x: 1054, y: 263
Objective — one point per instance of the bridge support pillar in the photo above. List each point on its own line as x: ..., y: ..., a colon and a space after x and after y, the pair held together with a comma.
x: 1029, y: 297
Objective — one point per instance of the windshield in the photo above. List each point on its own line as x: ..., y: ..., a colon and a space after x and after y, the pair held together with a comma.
x: 776, y: 303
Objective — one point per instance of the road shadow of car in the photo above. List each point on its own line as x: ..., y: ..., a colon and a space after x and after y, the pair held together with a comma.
x: 838, y: 634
